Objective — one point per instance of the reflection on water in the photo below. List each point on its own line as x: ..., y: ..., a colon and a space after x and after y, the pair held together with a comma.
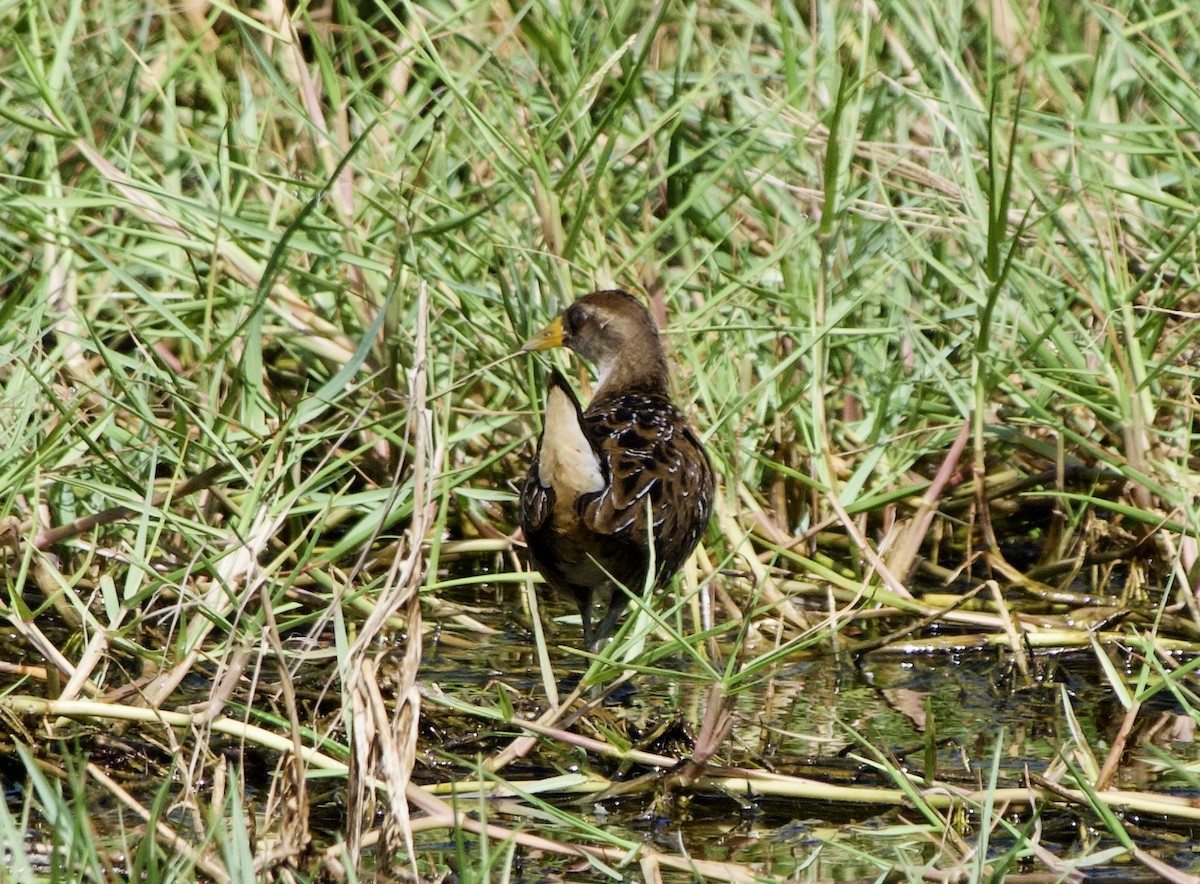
x: 832, y: 717
x: 820, y: 715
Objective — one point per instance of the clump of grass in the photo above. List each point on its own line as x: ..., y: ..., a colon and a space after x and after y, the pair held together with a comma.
x: 927, y: 276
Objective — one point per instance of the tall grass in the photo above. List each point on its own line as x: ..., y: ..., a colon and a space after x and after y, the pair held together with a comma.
x: 927, y: 275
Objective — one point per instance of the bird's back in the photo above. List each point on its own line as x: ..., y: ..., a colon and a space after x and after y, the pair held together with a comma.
x: 658, y: 483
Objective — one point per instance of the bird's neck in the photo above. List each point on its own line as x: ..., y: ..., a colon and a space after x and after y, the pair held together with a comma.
x: 644, y: 370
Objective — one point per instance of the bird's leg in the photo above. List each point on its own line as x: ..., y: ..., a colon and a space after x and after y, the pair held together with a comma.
x: 599, y: 611
x: 607, y: 626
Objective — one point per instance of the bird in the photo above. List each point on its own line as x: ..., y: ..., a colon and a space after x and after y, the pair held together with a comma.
x: 624, y: 487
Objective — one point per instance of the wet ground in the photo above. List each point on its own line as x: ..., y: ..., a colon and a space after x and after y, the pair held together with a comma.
x: 823, y: 713
x: 842, y: 719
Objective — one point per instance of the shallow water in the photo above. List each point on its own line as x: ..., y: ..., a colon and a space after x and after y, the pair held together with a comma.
x: 826, y: 715
x: 830, y: 717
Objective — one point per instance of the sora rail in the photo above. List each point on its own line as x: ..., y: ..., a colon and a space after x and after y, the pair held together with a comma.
x: 623, y: 485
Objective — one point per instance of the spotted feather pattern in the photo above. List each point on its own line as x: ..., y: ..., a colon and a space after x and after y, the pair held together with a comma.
x: 656, y: 476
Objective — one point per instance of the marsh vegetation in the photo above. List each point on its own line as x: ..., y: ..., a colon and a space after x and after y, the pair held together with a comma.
x: 927, y: 275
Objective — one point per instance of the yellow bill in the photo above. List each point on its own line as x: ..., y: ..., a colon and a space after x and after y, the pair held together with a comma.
x: 548, y: 338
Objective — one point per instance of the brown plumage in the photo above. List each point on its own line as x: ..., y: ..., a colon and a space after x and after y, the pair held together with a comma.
x: 604, y: 475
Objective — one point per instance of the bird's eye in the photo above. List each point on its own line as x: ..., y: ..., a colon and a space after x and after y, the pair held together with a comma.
x: 575, y: 318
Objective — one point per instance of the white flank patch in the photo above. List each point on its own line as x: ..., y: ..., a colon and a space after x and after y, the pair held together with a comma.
x: 567, y: 460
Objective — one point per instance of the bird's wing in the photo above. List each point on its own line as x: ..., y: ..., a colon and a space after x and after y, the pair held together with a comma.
x: 656, y: 470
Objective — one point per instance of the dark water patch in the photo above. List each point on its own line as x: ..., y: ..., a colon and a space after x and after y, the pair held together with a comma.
x: 963, y: 716
x: 863, y: 721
